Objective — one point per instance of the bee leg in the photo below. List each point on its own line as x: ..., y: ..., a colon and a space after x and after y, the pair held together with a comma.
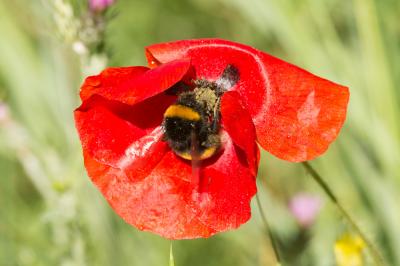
x: 195, y: 159
x: 216, y: 116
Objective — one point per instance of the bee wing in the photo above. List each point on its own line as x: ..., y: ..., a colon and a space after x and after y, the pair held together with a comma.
x: 228, y: 79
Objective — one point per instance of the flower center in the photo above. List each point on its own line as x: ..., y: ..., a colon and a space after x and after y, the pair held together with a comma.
x: 191, y: 125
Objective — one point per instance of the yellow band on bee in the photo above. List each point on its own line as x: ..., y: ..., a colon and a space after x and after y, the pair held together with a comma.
x: 182, y: 111
x: 207, y: 153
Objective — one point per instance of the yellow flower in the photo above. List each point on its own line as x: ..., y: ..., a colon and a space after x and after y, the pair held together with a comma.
x: 348, y: 250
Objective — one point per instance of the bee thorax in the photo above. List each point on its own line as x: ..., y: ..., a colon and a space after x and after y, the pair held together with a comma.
x: 208, y: 97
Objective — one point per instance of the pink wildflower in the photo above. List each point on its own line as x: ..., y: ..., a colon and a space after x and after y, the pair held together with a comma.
x: 100, y: 5
x: 305, y: 208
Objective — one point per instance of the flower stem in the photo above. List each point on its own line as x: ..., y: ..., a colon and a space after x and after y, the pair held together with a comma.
x: 171, y: 255
x: 270, y: 234
x: 317, y: 178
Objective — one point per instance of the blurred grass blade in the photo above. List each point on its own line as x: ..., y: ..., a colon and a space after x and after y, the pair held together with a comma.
x: 317, y: 177
x: 270, y: 234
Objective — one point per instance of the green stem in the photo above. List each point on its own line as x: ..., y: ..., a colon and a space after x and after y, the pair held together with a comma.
x: 317, y: 178
x: 270, y: 234
x: 171, y: 255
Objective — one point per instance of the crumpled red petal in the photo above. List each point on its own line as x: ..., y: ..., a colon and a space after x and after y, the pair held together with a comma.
x: 109, y: 80
x: 296, y: 114
x: 131, y: 85
x: 167, y: 203
x: 122, y: 136
x: 238, y: 124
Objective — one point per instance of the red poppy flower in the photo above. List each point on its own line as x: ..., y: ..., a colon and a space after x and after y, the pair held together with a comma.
x: 173, y: 147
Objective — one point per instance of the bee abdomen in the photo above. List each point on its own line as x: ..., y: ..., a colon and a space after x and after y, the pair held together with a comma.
x: 187, y: 130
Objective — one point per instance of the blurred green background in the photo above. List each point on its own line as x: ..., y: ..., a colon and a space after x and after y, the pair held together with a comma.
x: 51, y: 214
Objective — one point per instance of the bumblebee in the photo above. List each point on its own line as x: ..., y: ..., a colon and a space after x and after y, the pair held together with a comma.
x: 191, y: 125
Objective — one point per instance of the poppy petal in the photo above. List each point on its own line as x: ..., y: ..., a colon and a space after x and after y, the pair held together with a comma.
x: 296, y: 114
x: 226, y: 189
x: 120, y: 136
x: 109, y: 80
x: 166, y: 202
x: 131, y: 85
x: 156, y: 203
x: 238, y: 124
x: 305, y: 116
